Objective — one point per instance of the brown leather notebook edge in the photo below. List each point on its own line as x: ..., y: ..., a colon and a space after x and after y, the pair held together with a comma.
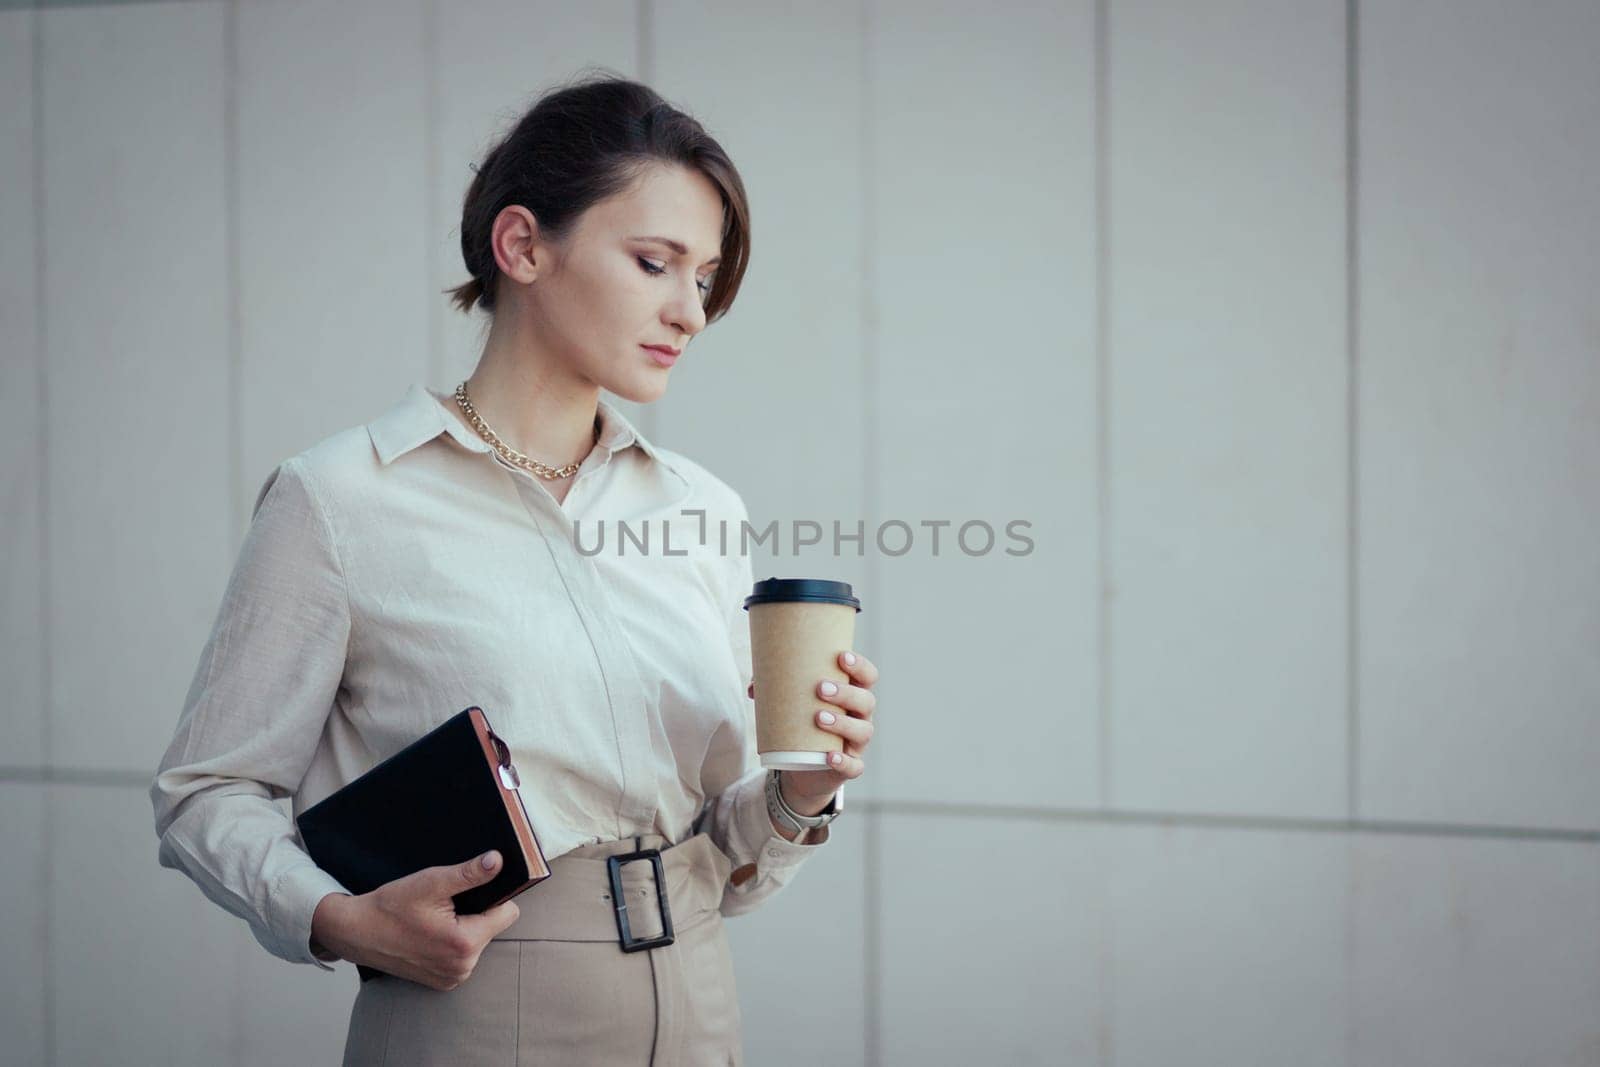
x: 498, y: 754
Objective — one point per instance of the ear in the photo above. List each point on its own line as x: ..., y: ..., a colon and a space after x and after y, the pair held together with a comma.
x: 514, y: 240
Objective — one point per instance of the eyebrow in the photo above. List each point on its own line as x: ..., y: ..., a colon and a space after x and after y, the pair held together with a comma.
x: 678, y: 247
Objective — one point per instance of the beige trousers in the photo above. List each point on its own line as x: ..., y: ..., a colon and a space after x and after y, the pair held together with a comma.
x: 556, y: 988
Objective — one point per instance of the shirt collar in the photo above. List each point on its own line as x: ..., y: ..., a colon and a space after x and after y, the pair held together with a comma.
x: 420, y: 417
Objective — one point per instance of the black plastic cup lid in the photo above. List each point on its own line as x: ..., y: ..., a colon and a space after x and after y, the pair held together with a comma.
x: 811, y: 590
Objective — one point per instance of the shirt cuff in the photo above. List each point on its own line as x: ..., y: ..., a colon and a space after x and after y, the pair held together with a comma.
x: 293, y: 902
x: 773, y: 849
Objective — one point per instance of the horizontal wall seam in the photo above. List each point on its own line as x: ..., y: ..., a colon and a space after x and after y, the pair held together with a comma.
x: 1309, y: 824
x: 123, y: 779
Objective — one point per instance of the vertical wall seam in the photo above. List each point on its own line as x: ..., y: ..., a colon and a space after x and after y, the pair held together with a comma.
x: 46, y: 872
x: 435, y: 364
x: 867, y: 133
x: 234, y: 386
x: 1352, y: 413
x: 644, y: 39
x: 42, y: 382
x: 1352, y: 889
x: 1105, y: 1028
x: 644, y: 62
x: 231, y: 265
x: 872, y: 949
x: 1102, y: 198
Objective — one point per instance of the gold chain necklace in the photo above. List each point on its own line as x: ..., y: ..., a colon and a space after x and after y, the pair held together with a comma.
x: 509, y: 454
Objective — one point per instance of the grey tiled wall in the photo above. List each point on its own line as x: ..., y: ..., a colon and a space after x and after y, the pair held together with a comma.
x: 1276, y: 320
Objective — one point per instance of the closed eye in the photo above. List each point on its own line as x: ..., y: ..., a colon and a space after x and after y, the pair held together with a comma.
x: 655, y: 268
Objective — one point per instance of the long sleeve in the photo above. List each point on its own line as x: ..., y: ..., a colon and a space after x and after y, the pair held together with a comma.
x: 252, y: 721
x: 737, y: 818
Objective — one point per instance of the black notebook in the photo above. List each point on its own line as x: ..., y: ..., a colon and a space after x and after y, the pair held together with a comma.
x: 448, y: 796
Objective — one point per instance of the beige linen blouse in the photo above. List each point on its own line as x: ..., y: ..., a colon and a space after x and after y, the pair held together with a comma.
x: 398, y: 572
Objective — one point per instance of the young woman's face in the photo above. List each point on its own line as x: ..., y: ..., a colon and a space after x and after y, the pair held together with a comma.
x: 616, y: 286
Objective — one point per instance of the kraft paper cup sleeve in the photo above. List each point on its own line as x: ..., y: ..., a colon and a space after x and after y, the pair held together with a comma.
x: 793, y: 646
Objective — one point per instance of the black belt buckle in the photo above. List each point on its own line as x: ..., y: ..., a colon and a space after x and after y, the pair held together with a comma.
x: 620, y: 905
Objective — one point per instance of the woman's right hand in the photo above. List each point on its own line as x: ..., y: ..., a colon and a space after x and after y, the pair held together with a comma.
x: 409, y: 927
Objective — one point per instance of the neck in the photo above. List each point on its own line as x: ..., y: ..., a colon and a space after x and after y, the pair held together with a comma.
x: 533, y: 405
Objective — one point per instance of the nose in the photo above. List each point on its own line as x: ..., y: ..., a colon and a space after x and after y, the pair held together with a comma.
x: 686, y: 313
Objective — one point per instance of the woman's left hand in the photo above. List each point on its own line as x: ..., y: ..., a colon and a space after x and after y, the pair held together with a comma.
x: 809, y: 792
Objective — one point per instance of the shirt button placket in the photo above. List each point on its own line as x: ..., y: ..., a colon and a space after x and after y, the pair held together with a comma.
x: 623, y: 684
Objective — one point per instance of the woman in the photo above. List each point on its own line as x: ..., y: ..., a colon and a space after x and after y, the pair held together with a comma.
x: 397, y: 572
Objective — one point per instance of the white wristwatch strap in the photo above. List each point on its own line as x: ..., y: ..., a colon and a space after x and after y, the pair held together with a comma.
x: 790, y: 819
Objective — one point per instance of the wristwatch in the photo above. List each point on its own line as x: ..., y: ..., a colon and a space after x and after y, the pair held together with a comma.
x: 789, y: 819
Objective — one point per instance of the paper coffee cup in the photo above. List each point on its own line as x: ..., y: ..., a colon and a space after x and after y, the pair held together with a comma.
x: 798, y: 627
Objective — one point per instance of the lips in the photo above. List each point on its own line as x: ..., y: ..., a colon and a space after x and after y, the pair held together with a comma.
x: 663, y: 356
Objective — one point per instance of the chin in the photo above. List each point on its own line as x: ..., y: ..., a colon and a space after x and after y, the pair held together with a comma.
x: 639, y: 391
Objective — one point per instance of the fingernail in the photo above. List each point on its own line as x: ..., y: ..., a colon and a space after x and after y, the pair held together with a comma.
x: 850, y: 659
x: 488, y: 861
x: 834, y: 758
x: 828, y: 689
x: 826, y: 716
